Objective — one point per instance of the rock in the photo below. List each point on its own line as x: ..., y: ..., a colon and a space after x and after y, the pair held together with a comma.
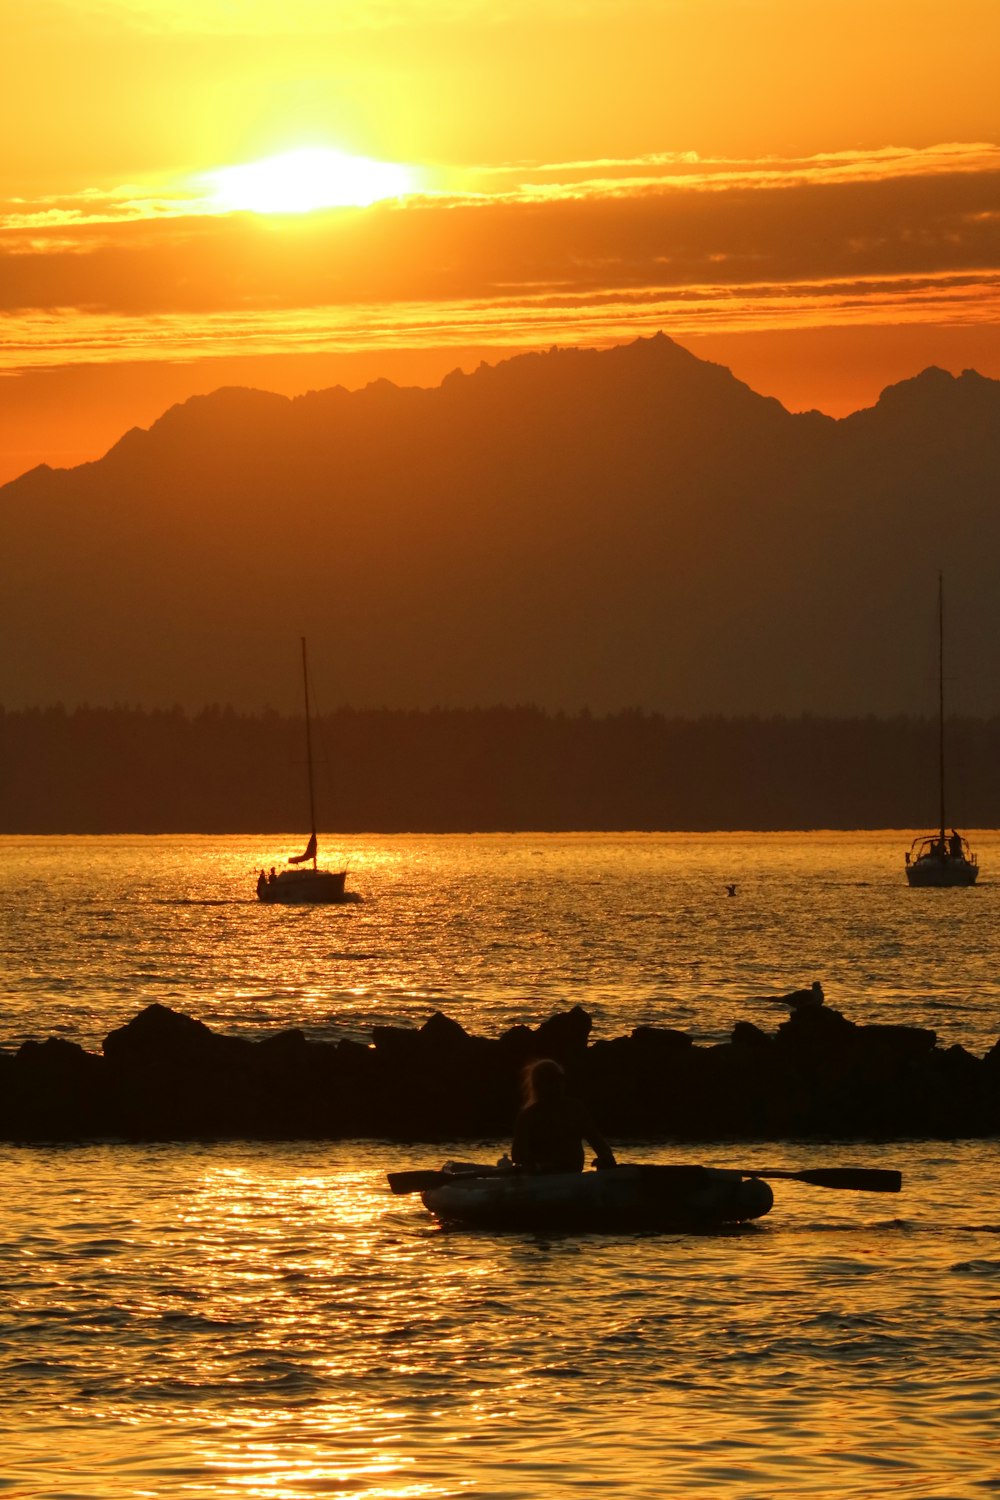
x: 288, y: 1045
x: 397, y: 1042
x: 661, y: 1041
x: 56, y: 1091
x: 172, y: 1076
x: 518, y: 1043
x: 563, y: 1034
x: 166, y: 1076
x: 746, y: 1034
x: 812, y: 1026
x: 898, y: 1041
x: 444, y: 1034
x: 159, y: 1036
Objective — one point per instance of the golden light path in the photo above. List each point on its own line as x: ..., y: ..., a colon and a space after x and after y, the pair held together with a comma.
x: 312, y: 177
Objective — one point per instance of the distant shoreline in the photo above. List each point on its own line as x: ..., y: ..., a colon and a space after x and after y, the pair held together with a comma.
x: 131, y: 770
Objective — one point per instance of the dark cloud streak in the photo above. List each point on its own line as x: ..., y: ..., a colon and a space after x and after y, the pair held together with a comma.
x: 858, y: 236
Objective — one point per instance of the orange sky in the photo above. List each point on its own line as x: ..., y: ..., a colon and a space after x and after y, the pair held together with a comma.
x: 806, y: 192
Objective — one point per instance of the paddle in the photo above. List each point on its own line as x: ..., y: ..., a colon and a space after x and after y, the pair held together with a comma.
x: 854, y: 1179
x: 851, y: 1179
x: 419, y: 1182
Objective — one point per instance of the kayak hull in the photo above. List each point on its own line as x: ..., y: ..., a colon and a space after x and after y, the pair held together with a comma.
x: 619, y: 1199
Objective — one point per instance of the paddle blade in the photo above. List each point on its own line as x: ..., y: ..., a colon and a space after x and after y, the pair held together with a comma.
x: 851, y: 1179
x: 415, y: 1182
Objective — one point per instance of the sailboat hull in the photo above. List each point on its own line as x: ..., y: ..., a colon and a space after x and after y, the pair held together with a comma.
x: 932, y: 870
x: 305, y: 888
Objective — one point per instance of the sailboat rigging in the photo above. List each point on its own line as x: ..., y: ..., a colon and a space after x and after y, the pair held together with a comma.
x: 942, y: 858
x: 303, y: 882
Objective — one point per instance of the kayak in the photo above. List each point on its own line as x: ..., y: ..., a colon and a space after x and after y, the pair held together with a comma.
x: 674, y: 1199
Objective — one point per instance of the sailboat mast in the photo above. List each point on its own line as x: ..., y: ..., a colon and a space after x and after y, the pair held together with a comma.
x: 309, y: 756
x: 941, y: 700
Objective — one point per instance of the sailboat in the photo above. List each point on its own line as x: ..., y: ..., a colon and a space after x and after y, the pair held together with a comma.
x: 303, y: 882
x: 941, y: 858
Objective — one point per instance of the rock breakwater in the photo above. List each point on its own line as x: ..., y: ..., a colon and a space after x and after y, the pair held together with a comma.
x: 168, y: 1076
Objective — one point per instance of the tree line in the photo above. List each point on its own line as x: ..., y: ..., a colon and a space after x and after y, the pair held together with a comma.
x: 133, y: 770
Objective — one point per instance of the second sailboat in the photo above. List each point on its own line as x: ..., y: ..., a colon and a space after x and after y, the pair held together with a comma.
x: 942, y: 858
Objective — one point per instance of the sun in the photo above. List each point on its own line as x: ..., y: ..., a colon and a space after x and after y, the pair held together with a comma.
x: 313, y: 177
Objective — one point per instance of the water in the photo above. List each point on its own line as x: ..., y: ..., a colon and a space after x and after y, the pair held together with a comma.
x: 493, y: 930
x: 267, y: 1321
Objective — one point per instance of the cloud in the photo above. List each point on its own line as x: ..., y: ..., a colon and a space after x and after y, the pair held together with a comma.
x: 67, y: 336
x: 527, y: 182
x: 601, y: 250
x: 689, y: 170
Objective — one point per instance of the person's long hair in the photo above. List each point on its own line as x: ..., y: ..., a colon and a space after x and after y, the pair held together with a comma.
x: 543, y: 1080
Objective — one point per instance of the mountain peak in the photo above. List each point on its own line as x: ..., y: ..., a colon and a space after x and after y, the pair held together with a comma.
x: 935, y: 388
x: 647, y: 373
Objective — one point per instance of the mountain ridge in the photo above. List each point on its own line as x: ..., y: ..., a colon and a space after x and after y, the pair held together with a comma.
x: 897, y: 396
x: 623, y: 527
x: 457, y: 381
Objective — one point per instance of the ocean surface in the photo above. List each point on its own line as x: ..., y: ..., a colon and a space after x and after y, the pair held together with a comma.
x: 268, y: 1321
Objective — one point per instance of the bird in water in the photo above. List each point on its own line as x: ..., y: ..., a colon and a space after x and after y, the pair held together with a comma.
x: 731, y: 889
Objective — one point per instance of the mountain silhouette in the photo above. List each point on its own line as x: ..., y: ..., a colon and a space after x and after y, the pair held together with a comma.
x: 625, y: 527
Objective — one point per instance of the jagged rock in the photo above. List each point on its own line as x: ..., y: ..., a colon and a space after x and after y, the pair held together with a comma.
x: 898, y: 1041
x: 159, y: 1036
x: 662, y: 1040
x: 563, y: 1034
x: 991, y: 1062
x: 518, y: 1043
x: 166, y: 1075
x: 815, y: 1026
x: 398, y: 1042
x: 171, y: 1075
x: 444, y: 1034
x: 746, y: 1034
x: 56, y: 1089
x: 284, y: 1044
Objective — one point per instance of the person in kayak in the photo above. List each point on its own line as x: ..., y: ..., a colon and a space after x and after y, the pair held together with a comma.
x: 551, y: 1128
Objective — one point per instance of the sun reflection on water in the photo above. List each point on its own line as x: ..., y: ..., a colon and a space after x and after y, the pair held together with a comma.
x: 493, y: 930
x: 267, y: 1320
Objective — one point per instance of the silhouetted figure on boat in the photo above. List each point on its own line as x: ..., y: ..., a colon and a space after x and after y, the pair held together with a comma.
x: 955, y: 845
x: 551, y: 1127
x: 261, y: 882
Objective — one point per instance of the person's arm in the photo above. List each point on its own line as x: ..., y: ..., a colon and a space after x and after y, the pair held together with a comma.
x: 603, y: 1154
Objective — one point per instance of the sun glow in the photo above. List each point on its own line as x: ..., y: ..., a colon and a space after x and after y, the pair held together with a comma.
x: 314, y: 177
